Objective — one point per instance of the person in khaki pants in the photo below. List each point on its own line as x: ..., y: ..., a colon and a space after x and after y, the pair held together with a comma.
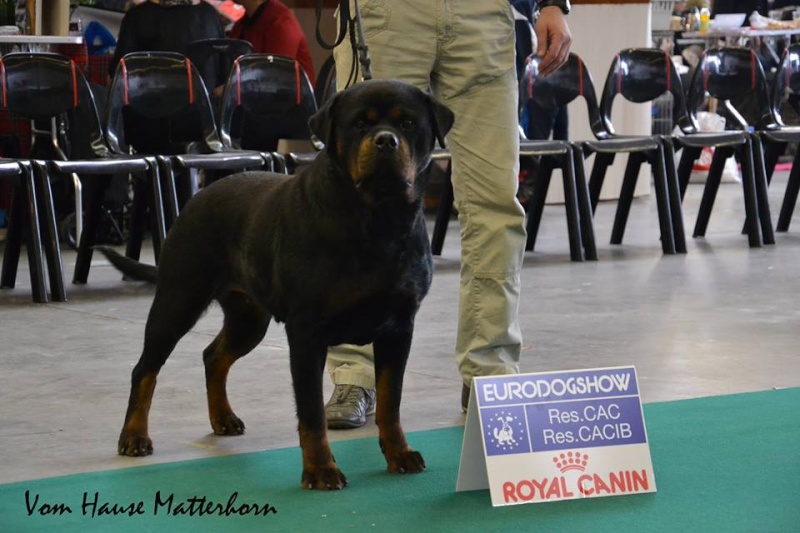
x: 461, y: 52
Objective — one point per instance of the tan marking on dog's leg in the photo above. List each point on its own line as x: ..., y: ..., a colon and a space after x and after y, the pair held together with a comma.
x: 134, y: 439
x: 319, y: 469
x: 399, y: 456
x: 218, y: 363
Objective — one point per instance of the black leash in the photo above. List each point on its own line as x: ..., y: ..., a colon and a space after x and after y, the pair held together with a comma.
x: 358, y: 43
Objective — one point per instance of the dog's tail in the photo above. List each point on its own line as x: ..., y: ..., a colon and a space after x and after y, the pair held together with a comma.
x: 129, y: 267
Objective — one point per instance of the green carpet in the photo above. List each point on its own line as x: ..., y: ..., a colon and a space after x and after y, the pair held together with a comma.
x: 722, y: 464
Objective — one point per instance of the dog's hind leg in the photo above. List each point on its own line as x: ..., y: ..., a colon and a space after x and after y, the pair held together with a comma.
x: 245, y: 326
x: 171, y: 317
x: 391, y: 354
x: 307, y: 359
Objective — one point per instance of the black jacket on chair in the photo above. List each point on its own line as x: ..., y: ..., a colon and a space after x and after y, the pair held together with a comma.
x: 151, y: 27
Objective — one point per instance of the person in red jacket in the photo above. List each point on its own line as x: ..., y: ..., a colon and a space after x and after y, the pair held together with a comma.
x: 272, y: 28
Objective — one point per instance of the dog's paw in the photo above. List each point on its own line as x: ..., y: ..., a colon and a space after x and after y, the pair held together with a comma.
x: 134, y: 445
x: 327, y: 477
x: 229, y: 424
x: 406, y: 462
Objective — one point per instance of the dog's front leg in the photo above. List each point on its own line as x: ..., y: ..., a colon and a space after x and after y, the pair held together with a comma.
x: 391, y: 354
x: 307, y: 356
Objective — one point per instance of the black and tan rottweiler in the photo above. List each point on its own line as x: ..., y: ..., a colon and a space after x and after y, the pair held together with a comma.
x: 338, y: 252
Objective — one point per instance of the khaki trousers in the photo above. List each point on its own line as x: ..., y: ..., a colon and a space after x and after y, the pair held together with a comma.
x: 462, y: 52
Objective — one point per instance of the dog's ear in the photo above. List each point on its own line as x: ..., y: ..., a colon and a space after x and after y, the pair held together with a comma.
x: 441, y: 118
x: 322, y: 123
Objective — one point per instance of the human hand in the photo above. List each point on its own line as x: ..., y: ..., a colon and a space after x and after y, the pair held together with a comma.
x: 554, y: 38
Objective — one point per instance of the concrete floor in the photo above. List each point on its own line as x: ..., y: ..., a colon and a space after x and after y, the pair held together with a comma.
x: 721, y: 319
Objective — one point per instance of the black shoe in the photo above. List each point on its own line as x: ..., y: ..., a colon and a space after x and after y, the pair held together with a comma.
x: 349, y: 407
x: 465, y: 397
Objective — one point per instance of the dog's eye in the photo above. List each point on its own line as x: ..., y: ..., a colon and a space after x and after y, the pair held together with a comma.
x: 408, y: 125
x: 361, y: 124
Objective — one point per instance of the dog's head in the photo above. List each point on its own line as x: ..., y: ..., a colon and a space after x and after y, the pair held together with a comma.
x: 381, y: 134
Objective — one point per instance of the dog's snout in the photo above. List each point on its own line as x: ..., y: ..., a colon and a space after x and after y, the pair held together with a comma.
x: 386, y: 141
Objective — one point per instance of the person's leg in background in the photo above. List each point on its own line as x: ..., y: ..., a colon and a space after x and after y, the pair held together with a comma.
x: 475, y: 76
x: 352, y: 370
x: 469, y: 58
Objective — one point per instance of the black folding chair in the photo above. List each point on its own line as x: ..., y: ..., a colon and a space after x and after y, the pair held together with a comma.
x: 49, y: 88
x: 638, y: 75
x: 727, y: 74
x: 268, y: 98
x: 24, y: 228
x: 775, y: 134
x: 159, y: 106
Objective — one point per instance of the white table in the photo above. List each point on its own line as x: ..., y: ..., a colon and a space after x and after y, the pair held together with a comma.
x: 738, y: 37
x: 39, y: 43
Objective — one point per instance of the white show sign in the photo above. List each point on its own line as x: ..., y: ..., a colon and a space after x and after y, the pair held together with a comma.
x: 556, y: 436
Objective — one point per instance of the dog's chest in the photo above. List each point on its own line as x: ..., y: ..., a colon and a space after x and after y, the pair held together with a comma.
x: 359, y: 306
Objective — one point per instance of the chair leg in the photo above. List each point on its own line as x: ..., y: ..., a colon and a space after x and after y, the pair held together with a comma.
x: 750, y: 196
x: 584, y: 204
x: 21, y: 229
x: 159, y: 215
x: 571, y: 207
x: 629, y: 180
x: 444, y: 213
x: 34, y: 241
x: 688, y: 156
x: 14, y: 236
x: 52, y: 248
x: 674, y: 195
x: 95, y: 191
x: 541, y: 184
x: 167, y: 183
x: 710, y: 190
x: 598, y: 175
x: 790, y: 197
x: 762, y: 191
x: 772, y: 152
x: 141, y: 190
x: 662, y: 200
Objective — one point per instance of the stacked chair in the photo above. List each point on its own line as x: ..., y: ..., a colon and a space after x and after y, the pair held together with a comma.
x: 325, y: 86
x: 727, y: 74
x: 267, y: 98
x: 49, y: 88
x: 551, y: 92
x: 214, y: 57
x: 639, y: 75
x: 561, y: 88
x: 24, y: 225
x: 158, y: 105
x: 775, y: 133
x: 160, y: 123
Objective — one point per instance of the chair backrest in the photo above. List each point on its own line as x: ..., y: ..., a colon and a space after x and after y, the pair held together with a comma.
x: 45, y: 86
x: 729, y: 74
x: 560, y: 88
x: 221, y: 51
x: 787, y: 77
x: 642, y: 75
x: 267, y: 98
x: 325, y: 86
x: 158, y: 104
